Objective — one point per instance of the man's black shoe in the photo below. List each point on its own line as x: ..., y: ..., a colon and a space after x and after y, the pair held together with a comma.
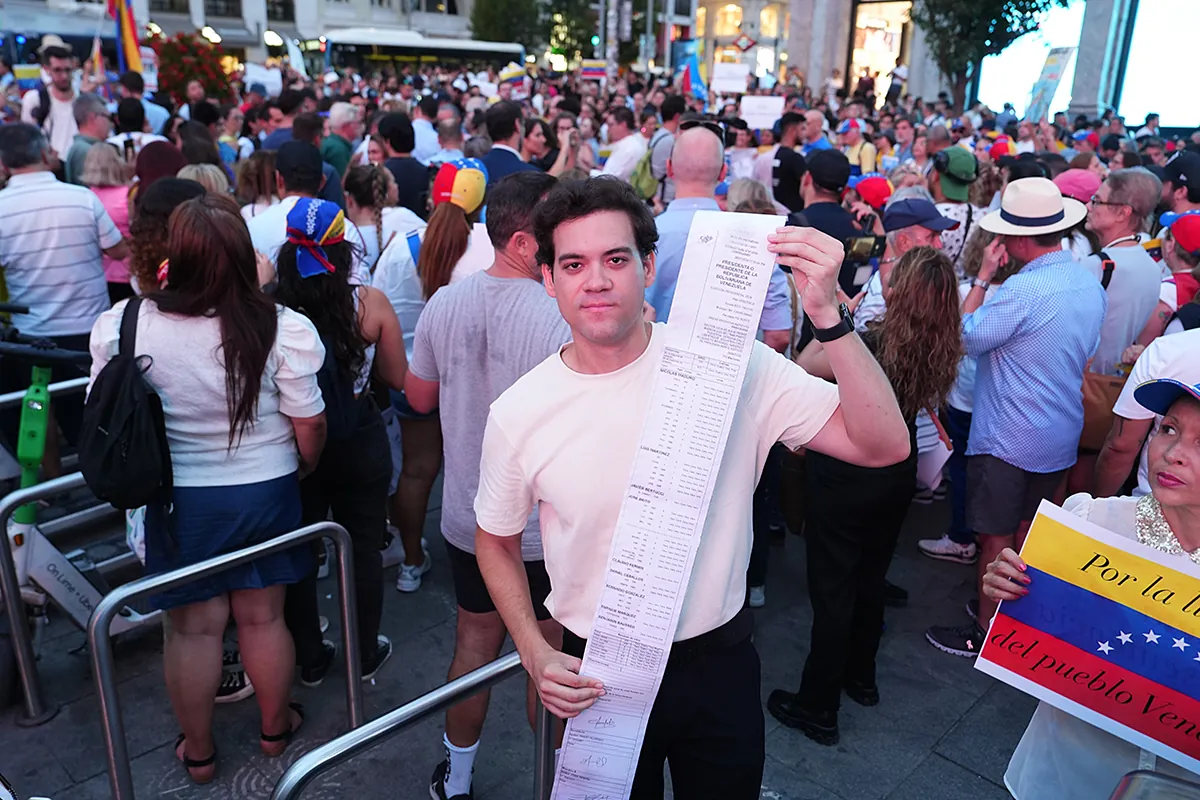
x: 820, y: 726
x: 893, y: 595
x: 865, y: 694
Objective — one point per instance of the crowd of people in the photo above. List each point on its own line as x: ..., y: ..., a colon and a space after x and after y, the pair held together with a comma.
x: 359, y: 284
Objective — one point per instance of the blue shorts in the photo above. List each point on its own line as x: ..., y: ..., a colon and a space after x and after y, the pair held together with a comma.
x: 405, y: 411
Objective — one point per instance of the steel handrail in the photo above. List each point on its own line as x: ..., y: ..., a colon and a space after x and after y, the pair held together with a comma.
x: 36, y: 712
x: 319, y: 760
x: 9, y: 399
x: 100, y: 641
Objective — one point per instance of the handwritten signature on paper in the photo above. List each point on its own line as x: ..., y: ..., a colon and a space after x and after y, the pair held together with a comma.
x: 603, y: 722
x: 593, y: 761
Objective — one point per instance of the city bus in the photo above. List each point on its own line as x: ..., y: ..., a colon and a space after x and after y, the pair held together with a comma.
x: 373, y: 49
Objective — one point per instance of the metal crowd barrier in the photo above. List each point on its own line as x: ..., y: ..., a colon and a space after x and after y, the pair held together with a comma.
x: 62, y: 387
x: 1148, y: 785
x: 36, y: 711
x: 312, y: 764
x: 100, y: 642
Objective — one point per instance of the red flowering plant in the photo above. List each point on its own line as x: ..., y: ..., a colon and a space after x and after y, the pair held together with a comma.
x: 186, y: 57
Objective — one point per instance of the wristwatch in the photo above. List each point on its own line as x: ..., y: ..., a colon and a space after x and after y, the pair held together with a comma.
x: 846, y: 325
x: 978, y: 284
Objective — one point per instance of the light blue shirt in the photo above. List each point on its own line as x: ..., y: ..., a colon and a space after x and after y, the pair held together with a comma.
x: 673, y: 226
x: 446, y: 156
x: 1032, y: 341
x: 426, y: 141
x: 156, y: 115
x: 819, y: 144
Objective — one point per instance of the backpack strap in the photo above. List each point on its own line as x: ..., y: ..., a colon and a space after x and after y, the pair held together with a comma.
x: 129, y: 320
x: 1107, y: 263
x: 42, y: 112
x: 1189, y: 315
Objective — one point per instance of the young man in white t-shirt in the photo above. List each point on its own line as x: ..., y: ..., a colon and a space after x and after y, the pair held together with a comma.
x: 564, y: 437
x: 59, y: 120
x: 474, y: 339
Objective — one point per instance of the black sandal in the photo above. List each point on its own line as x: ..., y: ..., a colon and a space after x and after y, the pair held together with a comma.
x: 285, y: 737
x: 191, y: 764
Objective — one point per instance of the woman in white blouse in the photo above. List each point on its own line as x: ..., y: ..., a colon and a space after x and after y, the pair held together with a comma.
x: 244, y: 417
x: 1061, y: 757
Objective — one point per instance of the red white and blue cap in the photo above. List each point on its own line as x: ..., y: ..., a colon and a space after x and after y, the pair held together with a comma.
x: 873, y: 187
x: 1159, y: 395
x: 462, y: 182
x: 1185, y: 229
x: 849, y: 125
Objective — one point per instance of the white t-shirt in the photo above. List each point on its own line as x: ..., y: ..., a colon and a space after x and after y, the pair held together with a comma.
x: 59, y: 125
x: 139, y: 140
x: 1061, y: 757
x: 566, y: 442
x: 268, y: 232
x: 398, y: 221
x: 1132, y: 295
x: 188, y: 372
x: 625, y: 156
x: 1168, y: 356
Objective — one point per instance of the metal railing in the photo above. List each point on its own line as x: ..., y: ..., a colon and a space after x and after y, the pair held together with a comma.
x: 10, y: 399
x: 1147, y: 785
x: 312, y: 764
x: 100, y: 642
x: 36, y: 711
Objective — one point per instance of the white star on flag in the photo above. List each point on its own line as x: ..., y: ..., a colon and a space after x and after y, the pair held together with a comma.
x: 1104, y: 648
x: 1125, y: 638
x: 1180, y: 643
x: 1151, y: 637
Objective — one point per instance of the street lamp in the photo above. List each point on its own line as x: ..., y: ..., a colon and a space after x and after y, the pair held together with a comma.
x: 272, y: 39
x: 208, y: 33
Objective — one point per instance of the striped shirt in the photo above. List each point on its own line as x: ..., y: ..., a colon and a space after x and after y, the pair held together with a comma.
x: 50, y: 247
x: 1032, y: 340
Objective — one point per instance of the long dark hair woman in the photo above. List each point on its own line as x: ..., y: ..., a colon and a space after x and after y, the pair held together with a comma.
x: 148, y: 223
x: 237, y: 376
x: 917, y: 342
x: 352, y: 478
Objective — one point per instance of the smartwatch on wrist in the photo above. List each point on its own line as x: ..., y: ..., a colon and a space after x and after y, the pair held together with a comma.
x: 844, y: 326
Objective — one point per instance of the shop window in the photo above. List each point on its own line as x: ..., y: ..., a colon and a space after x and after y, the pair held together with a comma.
x: 701, y: 18
x: 768, y: 22
x: 223, y: 8
x: 880, y: 31
x: 281, y: 10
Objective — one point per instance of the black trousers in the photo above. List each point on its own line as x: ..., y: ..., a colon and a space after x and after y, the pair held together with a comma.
x: 351, y: 481
x: 706, y: 724
x: 852, y: 521
x: 766, y: 508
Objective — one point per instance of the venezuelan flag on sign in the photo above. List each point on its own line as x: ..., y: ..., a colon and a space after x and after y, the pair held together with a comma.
x: 1109, y: 632
x: 692, y: 83
x: 129, y: 56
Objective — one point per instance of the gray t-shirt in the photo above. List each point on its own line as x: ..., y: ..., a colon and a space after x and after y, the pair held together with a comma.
x: 475, y: 339
x: 661, y: 145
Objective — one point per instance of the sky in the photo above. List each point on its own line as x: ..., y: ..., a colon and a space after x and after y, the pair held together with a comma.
x: 1153, y: 59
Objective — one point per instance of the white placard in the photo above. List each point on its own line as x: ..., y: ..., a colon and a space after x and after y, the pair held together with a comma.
x: 729, y: 78
x: 271, y: 78
x: 149, y: 68
x: 296, y: 58
x: 714, y: 319
x: 487, y: 88
x: 761, y: 113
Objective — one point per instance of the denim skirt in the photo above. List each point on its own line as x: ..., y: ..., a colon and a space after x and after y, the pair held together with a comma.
x: 206, y: 521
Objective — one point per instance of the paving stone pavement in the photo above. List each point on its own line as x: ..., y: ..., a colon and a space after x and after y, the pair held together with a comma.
x: 942, y: 732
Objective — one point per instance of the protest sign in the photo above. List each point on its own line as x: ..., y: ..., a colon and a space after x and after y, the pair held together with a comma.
x: 761, y: 113
x: 269, y: 77
x: 729, y: 78
x: 1109, y: 633
x: 1043, y: 91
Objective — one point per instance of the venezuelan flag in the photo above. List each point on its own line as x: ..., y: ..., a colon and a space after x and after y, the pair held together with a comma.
x: 593, y: 69
x: 692, y: 83
x: 1109, y: 632
x: 129, y: 56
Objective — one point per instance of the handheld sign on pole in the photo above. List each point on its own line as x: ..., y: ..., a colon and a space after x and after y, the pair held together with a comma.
x: 1047, y: 84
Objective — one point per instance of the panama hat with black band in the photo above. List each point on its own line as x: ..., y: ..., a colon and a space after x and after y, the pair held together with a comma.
x: 1033, y: 207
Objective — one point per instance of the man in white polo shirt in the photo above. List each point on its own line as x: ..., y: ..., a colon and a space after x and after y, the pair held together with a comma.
x: 51, y: 242
x: 565, y: 436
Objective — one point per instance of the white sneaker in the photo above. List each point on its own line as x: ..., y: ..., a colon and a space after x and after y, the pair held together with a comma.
x: 946, y: 549
x: 324, y: 620
x: 393, y: 554
x: 330, y: 560
x: 758, y: 596
x: 409, y: 579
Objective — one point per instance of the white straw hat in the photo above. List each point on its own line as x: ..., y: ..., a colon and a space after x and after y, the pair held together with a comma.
x: 1031, y: 207
x: 53, y: 40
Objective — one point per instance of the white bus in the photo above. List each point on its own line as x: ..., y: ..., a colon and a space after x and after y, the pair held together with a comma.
x: 372, y: 49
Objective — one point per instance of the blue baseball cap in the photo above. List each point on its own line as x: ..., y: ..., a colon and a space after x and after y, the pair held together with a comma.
x: 722, y: 189
x: 1159, y: 395
x: 915, y: 211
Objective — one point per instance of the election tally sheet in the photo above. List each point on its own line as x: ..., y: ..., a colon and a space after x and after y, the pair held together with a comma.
x: 713, y: 324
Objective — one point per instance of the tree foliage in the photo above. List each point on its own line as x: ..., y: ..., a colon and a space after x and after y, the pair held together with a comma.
x: 508, y: 21
x: 186, y: 57
x: 571, y: 24
x: 960, y: 33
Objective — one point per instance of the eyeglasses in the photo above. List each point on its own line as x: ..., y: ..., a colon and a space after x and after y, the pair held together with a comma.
x: 712, y: 127
x: 1095, y: 200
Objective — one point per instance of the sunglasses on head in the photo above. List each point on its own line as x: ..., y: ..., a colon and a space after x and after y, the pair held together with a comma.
x: 712, y: 127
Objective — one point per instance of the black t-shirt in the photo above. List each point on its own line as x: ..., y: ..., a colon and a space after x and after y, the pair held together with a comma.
x: 785, y: 177
x: 412, y: 179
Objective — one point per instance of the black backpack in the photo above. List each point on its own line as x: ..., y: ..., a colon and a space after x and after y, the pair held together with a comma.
x: 123, y: 450
x: 342, y: 409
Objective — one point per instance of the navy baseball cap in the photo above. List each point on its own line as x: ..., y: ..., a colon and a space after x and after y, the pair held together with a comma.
x: 1158, y: 396
x: 906, y: 213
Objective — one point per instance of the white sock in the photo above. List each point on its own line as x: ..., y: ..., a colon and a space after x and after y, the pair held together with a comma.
x: 460, y: 763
